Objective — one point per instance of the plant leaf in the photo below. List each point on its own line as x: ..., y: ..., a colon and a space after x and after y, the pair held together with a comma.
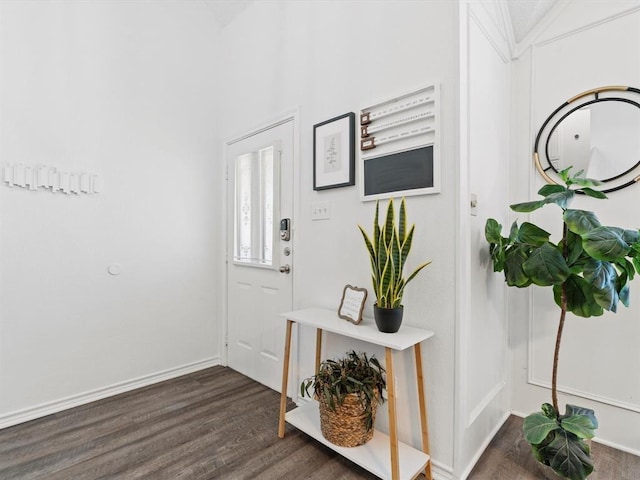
x: 631, y: 236
x: 636, y: 263
x: 527, y: 207
x: 415, y: 272
x: 584, y: 181
x: 492, y: 231
x: 607, y: 298
x: 402, y: 222
x: 568, y: 455
x: 622, y: 287
x: 537, y: 426
x: 602, y: 277
x: 604, y: 243
x: 599, y: 273
x: 565, y: 175
x: 550, y: 188
x: 580, y: 221
x: 590, y: 192
x: 513, y: 272
x: 580, y: 299
x: 586, y: 412
x: 513, y: 232
x: 546, y: 266
x: 549, y: 410
x: 389, y: 224
x: 562, y: 199
x: 368, y: 243
x: 532, y: 234
x: 574, y: 247
x: 579, y: 425
x: 406, y: 246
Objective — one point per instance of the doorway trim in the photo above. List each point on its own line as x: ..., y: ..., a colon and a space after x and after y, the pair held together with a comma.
x: 292, y: 115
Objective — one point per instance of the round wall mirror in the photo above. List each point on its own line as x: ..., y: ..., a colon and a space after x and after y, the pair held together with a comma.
x: 597, y: 131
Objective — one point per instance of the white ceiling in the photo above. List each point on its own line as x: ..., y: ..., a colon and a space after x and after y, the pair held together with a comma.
x: 525, y: 14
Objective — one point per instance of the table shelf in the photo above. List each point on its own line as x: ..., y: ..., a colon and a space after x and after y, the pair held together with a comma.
x: 366, y: 331
x: 383, y: 455
x: 373, y: 456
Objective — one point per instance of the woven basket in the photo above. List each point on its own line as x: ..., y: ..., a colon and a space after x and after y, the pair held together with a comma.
x: 346, y: 426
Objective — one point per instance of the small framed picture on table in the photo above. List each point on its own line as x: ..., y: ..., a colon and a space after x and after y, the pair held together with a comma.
x: 352, y: 304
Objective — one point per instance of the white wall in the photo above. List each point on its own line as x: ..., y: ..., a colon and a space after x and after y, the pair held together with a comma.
x: 482, y: 328
x: 589, y: 44
x: 126, y: 90
x: 330, y: 58
x: 135, y: 91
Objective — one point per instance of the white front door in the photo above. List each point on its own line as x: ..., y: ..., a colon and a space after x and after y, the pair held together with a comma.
x: 259, y: 254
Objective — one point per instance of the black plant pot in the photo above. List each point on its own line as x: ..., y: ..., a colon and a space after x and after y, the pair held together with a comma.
x: 388, y: 320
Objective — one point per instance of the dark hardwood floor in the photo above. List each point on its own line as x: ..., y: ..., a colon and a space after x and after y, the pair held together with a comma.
x: 210, y: 424
x: 215, y: 424
x: 508, y: 457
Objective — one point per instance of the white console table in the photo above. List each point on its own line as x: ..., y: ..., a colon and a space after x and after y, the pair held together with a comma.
x: 383, y: 455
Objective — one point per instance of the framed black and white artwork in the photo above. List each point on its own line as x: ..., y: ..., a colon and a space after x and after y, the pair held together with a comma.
x: 334, y: 152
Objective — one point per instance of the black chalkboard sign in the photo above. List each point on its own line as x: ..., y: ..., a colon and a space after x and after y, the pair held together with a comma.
x: 397, y: 172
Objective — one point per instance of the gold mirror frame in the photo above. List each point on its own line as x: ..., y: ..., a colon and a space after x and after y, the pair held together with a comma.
x: 577, y: 102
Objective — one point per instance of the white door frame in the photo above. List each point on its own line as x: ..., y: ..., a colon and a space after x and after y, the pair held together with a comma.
x: 292, y: 115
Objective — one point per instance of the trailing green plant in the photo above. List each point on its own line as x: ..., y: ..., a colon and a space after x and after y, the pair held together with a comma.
x: 355, y: 373
x: 589, y: 270
x: 388, y: 248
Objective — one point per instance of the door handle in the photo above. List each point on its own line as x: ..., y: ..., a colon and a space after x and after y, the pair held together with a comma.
x: 285, y: 269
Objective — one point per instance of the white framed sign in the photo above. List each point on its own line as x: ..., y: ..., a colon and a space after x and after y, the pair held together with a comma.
x: 352, y: 304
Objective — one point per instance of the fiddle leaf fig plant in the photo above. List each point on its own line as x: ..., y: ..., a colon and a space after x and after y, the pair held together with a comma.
x: 388, y: 248
x: 588, y: 270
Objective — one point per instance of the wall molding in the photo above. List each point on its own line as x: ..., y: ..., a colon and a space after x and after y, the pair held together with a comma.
x: 486, y: 25
x: 472, y: 16
x: 588, y: 395
x: 584, y: 28
x: 484, y: 446
x: 533, y: 380
x: 505, y: 16
x: 31, y: 413
x: 491, y: 31
x: 482, y: 404
x: 539, y: 28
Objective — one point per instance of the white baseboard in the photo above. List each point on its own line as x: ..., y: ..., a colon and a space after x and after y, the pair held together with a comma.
x: 484, y: 446
x: 55, y: 406
x: 441, y: 472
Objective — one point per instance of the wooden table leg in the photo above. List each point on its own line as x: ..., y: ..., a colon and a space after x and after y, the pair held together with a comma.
x: 285, y: 379
x: 422, y: 402
x: 318, y: 348
x: 393, y: 419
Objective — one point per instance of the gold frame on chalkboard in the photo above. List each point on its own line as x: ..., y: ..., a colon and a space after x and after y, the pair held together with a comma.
x: 348, y: 315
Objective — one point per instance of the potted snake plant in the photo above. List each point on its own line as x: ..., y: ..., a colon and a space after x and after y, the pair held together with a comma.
x: 388, y: 247
x: 589, y: 270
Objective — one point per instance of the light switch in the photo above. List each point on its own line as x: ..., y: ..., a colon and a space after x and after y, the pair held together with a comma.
x: 320, y: 211
x: 473, y: 204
